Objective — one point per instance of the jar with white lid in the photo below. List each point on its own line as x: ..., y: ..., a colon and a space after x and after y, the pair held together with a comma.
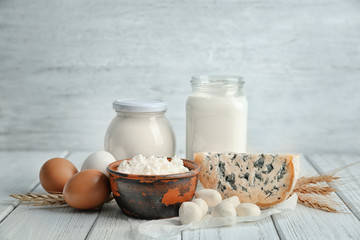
x: 216, y: 115
x: 140, y: 127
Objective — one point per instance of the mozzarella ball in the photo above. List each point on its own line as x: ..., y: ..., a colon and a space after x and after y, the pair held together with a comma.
x: 211, y: 196
x: 190, y: 212
x: 247, y: 209
x: 234, y: 200
x: 224, y: 209
x: 98, y: 160
x: 202, y: 204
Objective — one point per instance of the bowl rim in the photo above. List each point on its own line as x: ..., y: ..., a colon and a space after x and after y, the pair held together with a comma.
x: 192, y: 172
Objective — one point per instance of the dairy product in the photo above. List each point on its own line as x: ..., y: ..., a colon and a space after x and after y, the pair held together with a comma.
x: 216, y: 117
x: 234, y: 200
x: 202, y: 204
x: 224, y: 209
x: 247, y: 209
x: 190, y: 212
x: 210, y: 196
x: 262, y: 179
x: 140, y: 127
x: 152, y: 165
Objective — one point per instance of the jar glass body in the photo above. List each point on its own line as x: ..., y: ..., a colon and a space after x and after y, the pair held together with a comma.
x: 216, y: 115
x: 133, y: 133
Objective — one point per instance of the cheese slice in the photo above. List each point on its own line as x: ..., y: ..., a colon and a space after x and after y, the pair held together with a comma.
x: 263, y: 179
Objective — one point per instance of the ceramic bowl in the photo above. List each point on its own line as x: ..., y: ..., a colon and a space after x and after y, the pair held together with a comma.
x: 153, y: 196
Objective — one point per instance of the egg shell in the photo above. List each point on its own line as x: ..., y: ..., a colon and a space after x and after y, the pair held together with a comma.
x: 211, y: 196
x: 224, y: 209
x: 190, y: 212
x: 87, y: 189
x: 54, y: 174
x: 98, y: 160
x: 247, y: 209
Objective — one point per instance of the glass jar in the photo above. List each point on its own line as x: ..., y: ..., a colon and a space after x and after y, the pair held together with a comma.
x: 216, y: 115
x: 140, y: 127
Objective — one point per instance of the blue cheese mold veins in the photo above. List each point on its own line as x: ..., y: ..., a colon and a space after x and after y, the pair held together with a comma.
x: 263, y: 179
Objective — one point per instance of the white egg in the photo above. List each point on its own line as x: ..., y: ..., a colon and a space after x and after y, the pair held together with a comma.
x: 247, y: 209
x: 98, y: 160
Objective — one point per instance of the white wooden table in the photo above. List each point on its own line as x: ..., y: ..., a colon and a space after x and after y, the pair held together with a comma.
x: 19, y: 174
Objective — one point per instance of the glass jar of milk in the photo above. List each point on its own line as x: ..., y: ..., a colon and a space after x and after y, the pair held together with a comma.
x: 140, y: 127
x: 216, y: 115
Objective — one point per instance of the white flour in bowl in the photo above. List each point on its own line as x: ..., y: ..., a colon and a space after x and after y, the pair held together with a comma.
x: 152, y: 165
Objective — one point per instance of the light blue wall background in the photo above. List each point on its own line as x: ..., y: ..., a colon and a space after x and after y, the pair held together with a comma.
x: 62, y: 63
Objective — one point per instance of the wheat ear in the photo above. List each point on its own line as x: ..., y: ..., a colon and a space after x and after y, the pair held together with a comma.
x: 316, y: 179
x: 41, y: 199
x: 314, y: 190
x: 45, y: 199
x: 315, y: 202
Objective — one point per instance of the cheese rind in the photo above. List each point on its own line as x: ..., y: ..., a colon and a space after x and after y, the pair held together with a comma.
x: 263, y: 179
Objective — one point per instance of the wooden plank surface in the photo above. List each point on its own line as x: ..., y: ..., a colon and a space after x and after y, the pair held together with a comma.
x: 27, y: 222
x: 349, y: 184
x: 263, y: 229
x: 307, y: 223
x: 112, y: 224
x: 19, y: 174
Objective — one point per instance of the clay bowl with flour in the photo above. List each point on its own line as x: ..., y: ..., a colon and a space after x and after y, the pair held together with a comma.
x: 153, y: 196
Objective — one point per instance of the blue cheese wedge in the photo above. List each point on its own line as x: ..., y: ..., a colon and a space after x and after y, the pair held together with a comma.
x: 262, y: 179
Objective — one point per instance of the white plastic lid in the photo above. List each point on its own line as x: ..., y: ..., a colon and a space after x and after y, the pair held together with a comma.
x: 140, y: 105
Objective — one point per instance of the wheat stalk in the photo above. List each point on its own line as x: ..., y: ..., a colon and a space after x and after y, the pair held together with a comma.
x: 308, y: 191
x: 314, y: 190
x: 44, y: 199
x: 41, y: 199
x: 316, y: 179
x: 315, y: 202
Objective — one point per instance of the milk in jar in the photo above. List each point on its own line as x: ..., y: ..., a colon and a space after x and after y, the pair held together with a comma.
x: 140, y: 127
x: 216, y: 115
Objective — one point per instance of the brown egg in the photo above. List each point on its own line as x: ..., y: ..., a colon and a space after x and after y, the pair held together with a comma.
x: 87, y: 189
x: 55, y: 173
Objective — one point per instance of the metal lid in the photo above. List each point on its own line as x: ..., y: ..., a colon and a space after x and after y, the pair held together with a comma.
x: 140, y: 105
x: 217, y: 80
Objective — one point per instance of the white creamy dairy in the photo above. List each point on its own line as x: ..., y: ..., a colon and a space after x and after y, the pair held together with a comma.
x: 152, y: 165
x: 140, y: 126
x: 216, y: 119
